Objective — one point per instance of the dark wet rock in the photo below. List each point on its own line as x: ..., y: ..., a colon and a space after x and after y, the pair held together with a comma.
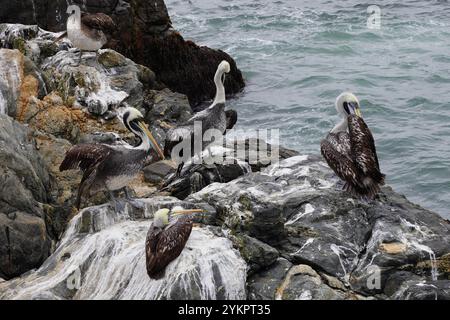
x: 20, y: 11
x: 257, y: 254
x: 260, y: 154
x: 314, y: 223
x: 194, y: 66
x: 156, y: 172
x: 181, y: 65
x: 25, y: 180
x: 424, y: 290
x: 25, y: 185
x: 147, y: 77
x: 394, y: 282
x: 303, y: 283
x: 25, y: 243
x: 242, y: 209
x: 195, y: 177
x: 264, y: 284
x: 167, y: 106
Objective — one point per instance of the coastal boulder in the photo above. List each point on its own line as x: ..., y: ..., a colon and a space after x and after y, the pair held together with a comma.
x: 25, y: 185
x: 181, y: 65
x: 310, y: 221
x: 20, y: 80
x: 101, y: 242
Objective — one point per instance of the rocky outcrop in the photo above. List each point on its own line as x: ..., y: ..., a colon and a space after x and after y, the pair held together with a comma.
x: 59, y: 99
x: 25, y: 186
x: 300, y: 236
x: 257, y: 154
x: 99, y: 242
x: 387, y: 248
x: 166, y: 107
x: 19, y: 80
x: 280, y: 231
x: 66, y: 100
x: 145, y: 35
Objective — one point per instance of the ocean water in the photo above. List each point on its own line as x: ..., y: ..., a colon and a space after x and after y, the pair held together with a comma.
x: 297, y: 56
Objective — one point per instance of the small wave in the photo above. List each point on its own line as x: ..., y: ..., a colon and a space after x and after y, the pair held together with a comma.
x: 333, y: 35
x: 312, y: 81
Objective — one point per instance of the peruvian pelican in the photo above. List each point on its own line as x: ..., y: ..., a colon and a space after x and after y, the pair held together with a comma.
x: 214, y: 117
x: 349, y: 150
x: 87, y: 31
x: 166, y: 238
x: 110, y: 168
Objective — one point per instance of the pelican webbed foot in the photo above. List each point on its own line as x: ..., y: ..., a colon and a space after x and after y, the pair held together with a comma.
x: 133, y: 202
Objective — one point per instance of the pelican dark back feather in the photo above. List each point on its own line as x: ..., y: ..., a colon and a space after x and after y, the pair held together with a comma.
x: 166, y: 239
x: 110, y: 168
x: 213, y: 117
x: 349, y: 149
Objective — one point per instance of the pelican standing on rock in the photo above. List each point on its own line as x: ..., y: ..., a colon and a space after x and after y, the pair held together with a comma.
x: 167, y: 238
x: 213, y: 117
x: 349, y: 150
x: 88, y: 31
x: 110, y: 168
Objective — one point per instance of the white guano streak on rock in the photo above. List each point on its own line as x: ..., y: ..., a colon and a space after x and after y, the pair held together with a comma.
x: 339, y: 250
x: 307, y: 243
x: 10, y: 77
x: 284, y: 167
x: 2, y: 104
x: 419, y: 246
x: 111, y: 262
x: 411, y: 241
x: 308, y: 209
x: 103, y: 93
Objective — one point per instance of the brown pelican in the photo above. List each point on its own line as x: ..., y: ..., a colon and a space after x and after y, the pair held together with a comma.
x: 349, y: 150
x: 166, y: 238
x: 213, y: 117
x: 88, y: 31
x: 110, y: 168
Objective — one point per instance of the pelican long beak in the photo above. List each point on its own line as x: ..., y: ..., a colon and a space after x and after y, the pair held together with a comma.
x: 355, y: 108
x: 152, y: 139
x: 187, y: 211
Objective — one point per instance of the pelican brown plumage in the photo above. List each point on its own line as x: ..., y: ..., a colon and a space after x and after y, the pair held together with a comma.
x: 214, y: 117
x: 349, y: 150
x: 88, y: 31
x: 110, y: 168
x: 166, y: 238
